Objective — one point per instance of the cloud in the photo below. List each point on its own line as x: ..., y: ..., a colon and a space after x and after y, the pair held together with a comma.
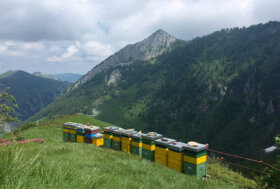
x: 97, y: 49
x: 70, y: 52
x: 82, y: 32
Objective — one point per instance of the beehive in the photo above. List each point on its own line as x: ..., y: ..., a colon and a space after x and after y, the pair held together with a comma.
x: 108, y: 135
x: 117, y: 139
x: 73, y: 132
x: 195, y: 159
x: 176, y: 156
x: 161, y: 151
x: 97, y: 140
x: 148, y: 145
x: 90, y: 131
x: 126, y: 139
x: 81, y: 133
x: 66, y: 132
x: 136, y: 144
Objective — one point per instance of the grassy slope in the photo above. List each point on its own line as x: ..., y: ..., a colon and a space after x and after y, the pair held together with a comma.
x: 56, y: 164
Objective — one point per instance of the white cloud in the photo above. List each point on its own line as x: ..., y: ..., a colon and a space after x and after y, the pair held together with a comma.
x: 86, y: 32
x: 94, y: 48
x: 71, y: 50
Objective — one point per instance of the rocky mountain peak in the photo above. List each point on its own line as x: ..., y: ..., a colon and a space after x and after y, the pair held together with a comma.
x: 146, y: 49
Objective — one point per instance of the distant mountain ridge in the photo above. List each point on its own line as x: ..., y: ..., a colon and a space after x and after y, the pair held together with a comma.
x: 70, y: 77
x: 220, y: 89
x: 43, y: 75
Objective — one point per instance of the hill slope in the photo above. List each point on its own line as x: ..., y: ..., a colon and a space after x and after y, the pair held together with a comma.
x: 56, y: 164
x: 32, y: 93
x: 219, y: 89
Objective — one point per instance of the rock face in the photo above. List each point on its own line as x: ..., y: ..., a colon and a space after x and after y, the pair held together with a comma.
x: 114, y: 77
x: 150, y: 47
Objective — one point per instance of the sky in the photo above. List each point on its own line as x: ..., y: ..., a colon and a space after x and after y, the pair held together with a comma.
x: 72, y: 36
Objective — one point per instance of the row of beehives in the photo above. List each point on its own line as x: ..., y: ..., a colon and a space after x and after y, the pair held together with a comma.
x: 189, y: 158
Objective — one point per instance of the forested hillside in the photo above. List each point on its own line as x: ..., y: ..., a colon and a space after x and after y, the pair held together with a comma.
x: 32, y: 93
x: 222, y: 89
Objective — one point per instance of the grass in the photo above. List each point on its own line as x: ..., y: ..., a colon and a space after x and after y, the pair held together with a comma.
x: 56, y: 164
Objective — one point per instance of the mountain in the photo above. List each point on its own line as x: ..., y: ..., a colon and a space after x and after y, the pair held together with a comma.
x: 220, y: 89
x: 70, y: 77
x: 46, y: 76
x: 147, y: 49
x: 32, y: 93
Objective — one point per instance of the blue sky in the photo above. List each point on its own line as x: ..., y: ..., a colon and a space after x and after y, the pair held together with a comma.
x: 59, y: 36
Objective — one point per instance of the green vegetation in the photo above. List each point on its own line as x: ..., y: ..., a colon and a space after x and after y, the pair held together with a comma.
x: 220, y: 89
x: 7, y: 107
x: 272, y: 177
x: 56, y: 164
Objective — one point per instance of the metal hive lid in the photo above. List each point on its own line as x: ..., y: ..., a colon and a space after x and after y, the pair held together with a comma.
x: 152, y: 137
x: 164, y: 141
x: 197, y: 148
x: 177, y: 146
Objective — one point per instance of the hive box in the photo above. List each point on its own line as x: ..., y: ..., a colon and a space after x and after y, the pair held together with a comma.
x: 108, y: 135
x: 176, y: 156
x: 148, y: 145
x: 195, y: 160
x: 116, y: 140
x: 161, y: 151
x: 81, y: 133
x: 136, y: 144
x: 97, y: 140
x: 126, y: 139
x: 66, y: 132
x: 73, y: 132
x: 90, y: 131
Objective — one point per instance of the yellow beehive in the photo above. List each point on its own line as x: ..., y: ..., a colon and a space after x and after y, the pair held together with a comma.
x: 176, y: 156
x: 98, y: 140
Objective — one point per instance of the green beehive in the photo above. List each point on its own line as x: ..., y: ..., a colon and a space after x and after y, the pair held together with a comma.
x: 66, y: 132
x: 117, y: 138
x: 108, y: 135
x: 136, y: 144
x: 195, y: 158
x: 148, y: 146
x: 73, y: 132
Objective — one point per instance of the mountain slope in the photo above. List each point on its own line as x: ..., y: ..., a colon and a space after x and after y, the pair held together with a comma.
x: 219, y: 89
x: 56, y: 164
x: 32, y: 93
